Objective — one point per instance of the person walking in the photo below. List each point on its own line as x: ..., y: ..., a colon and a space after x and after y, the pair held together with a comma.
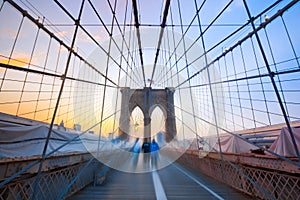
x: 136, y: 146
x: 154, y: 149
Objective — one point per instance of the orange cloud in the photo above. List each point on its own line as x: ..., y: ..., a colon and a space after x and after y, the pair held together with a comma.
x: 19, y: 62
x: 18, y: 59
x: 97, y: 35
x: 9, y: 33
x: 62, y: 33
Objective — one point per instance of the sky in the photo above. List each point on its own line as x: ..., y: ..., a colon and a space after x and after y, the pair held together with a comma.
x: 239, y: 105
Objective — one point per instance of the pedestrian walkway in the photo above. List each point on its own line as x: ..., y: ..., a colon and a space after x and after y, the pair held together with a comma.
x: 172, y: 182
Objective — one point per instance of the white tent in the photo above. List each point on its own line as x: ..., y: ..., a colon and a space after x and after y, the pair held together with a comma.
x: 234, y: 144
x: 27, y: 141
x: 283, y: 145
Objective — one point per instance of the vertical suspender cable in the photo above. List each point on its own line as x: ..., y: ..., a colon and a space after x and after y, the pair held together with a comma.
x: 29, y: 63
x: 248, y: 85
x: 238, y: 91
x: 176, y: 64
x: 42, y: 79
x: 260, y: 79
x: 119, y: 74
x: 211, y: 93
x: 187, y: 70
x: 105, y: 81
x: 12, y: 50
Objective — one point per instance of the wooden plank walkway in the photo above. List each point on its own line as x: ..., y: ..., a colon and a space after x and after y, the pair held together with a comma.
x: 172, y: 182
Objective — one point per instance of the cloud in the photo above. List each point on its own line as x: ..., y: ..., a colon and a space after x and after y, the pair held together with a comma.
x: 98, y: 36
x: 8, y: 33
x: 19, y: 59
x: 62, y: 33
x: 19, y: 62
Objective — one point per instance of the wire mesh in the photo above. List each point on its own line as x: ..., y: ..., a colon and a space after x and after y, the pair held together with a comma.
x: 235, y: 65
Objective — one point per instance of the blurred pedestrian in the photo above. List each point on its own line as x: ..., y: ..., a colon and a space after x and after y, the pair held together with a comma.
x: 136, y: 146
x: 154, y: 149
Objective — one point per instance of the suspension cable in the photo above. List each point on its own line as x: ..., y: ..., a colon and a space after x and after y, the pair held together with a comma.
x: 163, y: 25
x: 113, y: 40
x: 272, y: 78
x: 43, y: 158
x: 207, y: 28
x: 230, y: 35
x: 106, y: 73
x: 279, y: 13
x: 138, y: 34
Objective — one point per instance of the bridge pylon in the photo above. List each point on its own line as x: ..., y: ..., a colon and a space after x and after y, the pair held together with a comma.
x: 147, y: 99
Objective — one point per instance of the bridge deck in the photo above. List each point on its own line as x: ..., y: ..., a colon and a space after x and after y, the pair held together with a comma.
x: 172, y: 182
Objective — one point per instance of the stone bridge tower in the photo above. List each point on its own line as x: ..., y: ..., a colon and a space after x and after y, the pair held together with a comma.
x: 147, y: 99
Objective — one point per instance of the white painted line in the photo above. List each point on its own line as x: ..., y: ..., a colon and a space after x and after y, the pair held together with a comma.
x: 199, y: 183
x: 159, y: 189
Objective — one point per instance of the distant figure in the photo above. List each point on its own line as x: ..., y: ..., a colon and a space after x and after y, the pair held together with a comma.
x: 146, y: 147
x: 154, y: 146
x: 62, y: 126
x: 154, y: 152
x: 161, y: 139
x: 146, y: 150
x: 136, y: 146
x: 135, y: 152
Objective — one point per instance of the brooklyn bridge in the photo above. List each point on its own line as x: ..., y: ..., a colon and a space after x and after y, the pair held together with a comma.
x: 137, y: 99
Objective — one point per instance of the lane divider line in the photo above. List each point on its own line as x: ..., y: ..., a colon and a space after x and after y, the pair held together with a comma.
x: 199, y: 183
x: 159, y: 189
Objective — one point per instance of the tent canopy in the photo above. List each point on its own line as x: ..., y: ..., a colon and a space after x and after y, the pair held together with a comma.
x: 283, y: 145
x: 27, y: 141
x: 234, y: 144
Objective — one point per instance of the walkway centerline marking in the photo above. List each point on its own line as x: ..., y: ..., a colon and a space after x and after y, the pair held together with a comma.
x: 159, y: 189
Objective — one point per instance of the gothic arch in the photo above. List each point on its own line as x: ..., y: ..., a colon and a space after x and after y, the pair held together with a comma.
x: 159, y: 106
x: 158, y: 119
x: 147, y: 99
x: 137, y: 122
x: 135, y: 106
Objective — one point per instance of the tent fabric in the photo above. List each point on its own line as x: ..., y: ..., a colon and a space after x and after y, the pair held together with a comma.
x: 283, y: 145
x: 234, y: 144
x: 27, y: 141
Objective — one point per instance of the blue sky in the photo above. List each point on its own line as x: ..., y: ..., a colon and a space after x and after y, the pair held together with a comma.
x: 282, y: 55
